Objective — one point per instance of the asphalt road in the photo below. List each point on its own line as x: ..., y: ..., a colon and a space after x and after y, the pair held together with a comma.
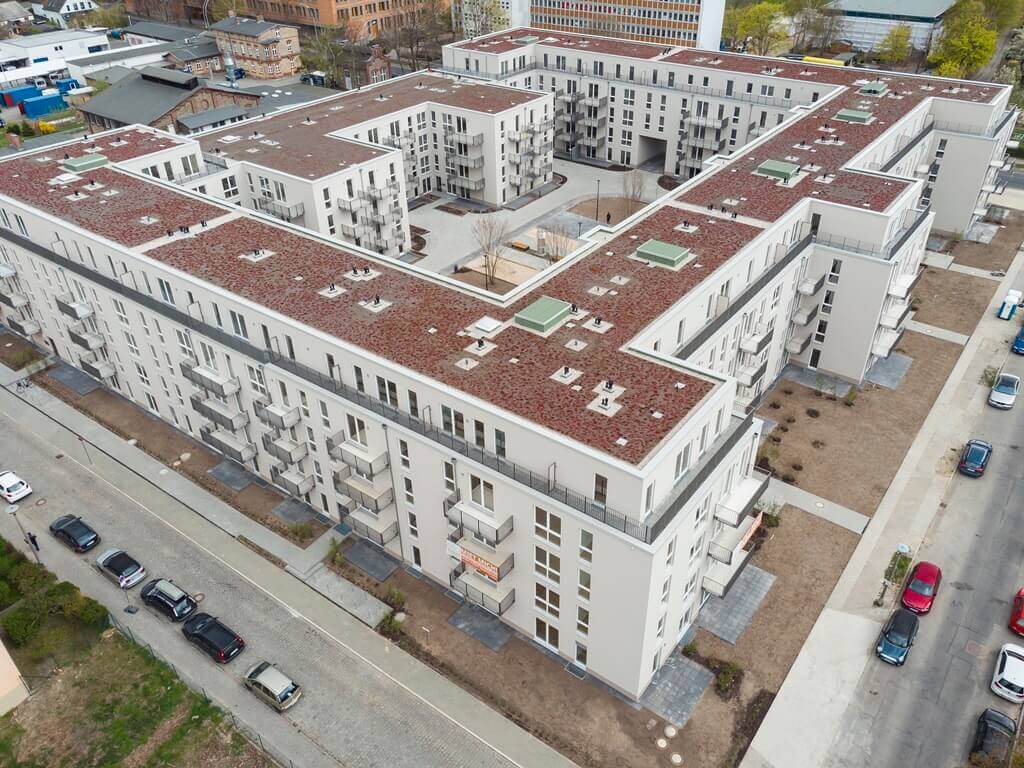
x: 922, y: 715
x: 350, y: 715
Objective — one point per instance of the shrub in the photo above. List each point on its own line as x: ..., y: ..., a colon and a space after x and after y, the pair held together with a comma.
x: 782, y: 428
x: 7, y: 594
x: 301, y: 530
x: 23, y: 357
x: 813, y: 413
x: 690, y: 649
x: 48, y: 641
x: 13, y: 128
x: 395, y: 598
x: 850, y: 397
x: 390, y: 627
x: 27, y: 130
x: 797, y: 466
x: 818, y: 443
x: 90, y: 612
x: 787, y: 390
x: 61, y: 598
x: 28, y: 577
x: 790, y: 419
x: 988, y: 376
x: 788, y: 478
x: 770, y: 520
x: 775, y: 404
x: 728, y: 675
x: 46, y: 128
x: 22, y: 624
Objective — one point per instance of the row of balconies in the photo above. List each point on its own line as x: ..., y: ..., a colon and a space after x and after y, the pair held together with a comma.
x: 727, y: 549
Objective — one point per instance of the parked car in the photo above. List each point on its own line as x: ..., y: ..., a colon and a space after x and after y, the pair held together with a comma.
x: 897, y: 636
x: 168, y: 598
x: 121, y: 568
x: 993, y: 738
x: 12, y: 487
x: 1004, y: 391
x: 272, y: 686
x: 1008, y: 677
x: 974, y: 458
x: 922, y: 586
x: 213, y: 637
x: 1018, y: 342
x: 1016, y: 623
x: 73, y: 531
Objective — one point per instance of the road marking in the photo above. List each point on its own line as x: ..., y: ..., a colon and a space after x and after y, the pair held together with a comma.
x: 275, y: 598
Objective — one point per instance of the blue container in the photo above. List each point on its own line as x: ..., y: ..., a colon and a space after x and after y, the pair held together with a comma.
x: 43, y: 105
x: 67, y: 84
x: 14, y: 96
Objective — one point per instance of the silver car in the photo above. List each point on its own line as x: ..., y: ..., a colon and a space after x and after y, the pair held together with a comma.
x: 1004, y: 391
x: 121, y: 568
x: 272, y: 685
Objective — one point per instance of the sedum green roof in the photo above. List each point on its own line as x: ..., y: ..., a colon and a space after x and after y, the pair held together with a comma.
x: 543, y: 314
x: 853, y: 115
x: 779, y: 169
x: 663, y: 253
x: 84, y: 163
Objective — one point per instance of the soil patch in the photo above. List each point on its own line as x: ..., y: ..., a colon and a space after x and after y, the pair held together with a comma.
x: 16, y: 353
x: 619, y: 207
x: 952, y: 300
x: 996, y: 255
x: 472, y: 277
x: 165, y: 443
x: 850, y: 454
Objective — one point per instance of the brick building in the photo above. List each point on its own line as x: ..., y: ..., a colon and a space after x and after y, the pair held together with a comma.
x: 264, y: 49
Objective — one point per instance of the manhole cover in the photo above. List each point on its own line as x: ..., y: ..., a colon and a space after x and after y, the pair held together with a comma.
x: 676, y: 758
x: 974, y: 648
x: 670, y: 731
x: 199, y: 597
x: 185, y: 456
x: 661, y: 743
x: 40, y: 502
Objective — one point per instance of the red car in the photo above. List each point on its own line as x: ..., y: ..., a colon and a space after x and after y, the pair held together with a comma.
x: 1017, y: 614
x: 922, y: 586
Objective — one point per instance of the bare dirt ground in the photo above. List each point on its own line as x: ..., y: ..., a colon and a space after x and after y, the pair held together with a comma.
x: 164, y: 442
x: 996, y: 255
x: 806, y: 555
x: 580, y: 720
x: 952, y: 300
x: 15, y: 352
x: 850, y: 454
x: 619, y: 207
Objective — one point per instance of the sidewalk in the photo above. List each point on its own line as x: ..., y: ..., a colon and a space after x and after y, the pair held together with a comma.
x: 206, y: 520
x: 784, y: 493
x: 807, y: 713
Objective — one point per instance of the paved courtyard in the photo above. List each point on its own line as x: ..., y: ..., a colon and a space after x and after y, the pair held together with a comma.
x: 728, y: 617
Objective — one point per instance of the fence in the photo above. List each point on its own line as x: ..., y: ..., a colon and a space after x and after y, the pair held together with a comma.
x: 251, y: 735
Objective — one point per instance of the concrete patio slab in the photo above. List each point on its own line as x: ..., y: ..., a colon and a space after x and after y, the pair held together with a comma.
x: 779, y: 492
x: 72, y: 378
x: 371, y: 559
x: 889, y: 371
x: 939, y: 333
x: 728, y: 617
x: 981, y: 232
x: 815, y: 380
x: 676, y: 689
x: 481, y: 626
x: 293, y: 511
x: 343, y: 593
x: 233, y: 475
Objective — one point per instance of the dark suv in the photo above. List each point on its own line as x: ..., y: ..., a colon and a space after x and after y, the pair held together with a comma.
x: 73, y: 532
x: 168, y: 598
x: 993, y: 738
x: 215, y: 639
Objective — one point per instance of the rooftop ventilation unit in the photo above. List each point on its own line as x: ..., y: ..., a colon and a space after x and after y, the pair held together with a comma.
x: 83, y: 163
x: 665, y: 254
x: 877, y: 88
x: 854, y: 116
x: 526, y: 39
x: 543, y: 314
x: 778, y: 169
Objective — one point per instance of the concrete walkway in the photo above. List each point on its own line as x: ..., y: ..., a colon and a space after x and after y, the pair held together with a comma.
x: 784, y: 493
x: 808, y: 712
x: 938, y: 333
x: 974, y: 272
x: 177, y: 501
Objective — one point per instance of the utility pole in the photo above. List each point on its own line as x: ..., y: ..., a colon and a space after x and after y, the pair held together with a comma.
x: 12, y: 510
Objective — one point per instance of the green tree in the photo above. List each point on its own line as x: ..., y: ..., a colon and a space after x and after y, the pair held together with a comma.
x: 895, y: 46
x: 111, y: 17
x: 218, y: 9
x: 481, y: 17
x: 763, y: 24
x: 968, y: 41
x: 1005, y: 14
x: 731, y: 26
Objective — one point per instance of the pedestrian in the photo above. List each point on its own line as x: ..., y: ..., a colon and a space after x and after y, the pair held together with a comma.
x: 33, y: 541
x: 608, y: 217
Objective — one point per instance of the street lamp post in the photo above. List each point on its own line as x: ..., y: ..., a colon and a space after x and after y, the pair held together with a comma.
x: 597, y: 204
x: 12, y: 510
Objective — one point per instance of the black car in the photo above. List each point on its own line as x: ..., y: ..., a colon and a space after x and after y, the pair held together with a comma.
x: 215, y: 639
x: 168, y: 598
x: 993, y: 738
x: 897, y: 636
x: 73, y: 532
x: 974, y: 458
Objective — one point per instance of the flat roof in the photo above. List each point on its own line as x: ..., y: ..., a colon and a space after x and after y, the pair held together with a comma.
x: 158, y: 31
x: 898, y: 9
x: 46, y: 38
x: 511, y: 39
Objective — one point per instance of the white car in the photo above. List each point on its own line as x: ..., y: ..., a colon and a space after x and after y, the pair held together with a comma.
x: 1004, y: 391
x: 1008, y: 678
x: 12, y: 487
x: 121, y: 568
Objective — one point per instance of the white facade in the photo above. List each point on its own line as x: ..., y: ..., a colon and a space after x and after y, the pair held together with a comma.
x: 866, y: 33
x: 24, y: 58
x: 60, y: 13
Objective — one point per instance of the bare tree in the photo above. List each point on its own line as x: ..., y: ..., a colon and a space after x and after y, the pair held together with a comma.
x: 558, y: 243
x: 633, y: 189
x: 490, y: 232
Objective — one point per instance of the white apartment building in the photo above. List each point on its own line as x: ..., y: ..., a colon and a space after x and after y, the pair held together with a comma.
x: 346, y: 165
x: 575, y: 456
x: 23, y: 58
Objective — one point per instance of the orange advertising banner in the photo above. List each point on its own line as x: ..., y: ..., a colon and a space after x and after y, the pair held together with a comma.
x: 480, y: 565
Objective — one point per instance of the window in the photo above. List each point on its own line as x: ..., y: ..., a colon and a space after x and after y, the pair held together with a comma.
x: 546, y: 633
x: 649, y: 499
x: 165, y: 290
x: 133, y: 347
x: 547, y: 564
x: 151, y: 401
x: 359, y: 378
x: 697, y: 548
x: 414, y: 529
x: 256, y: 380
x: 583, y: 590
x: 691, y: 585
x: 414, y: 405
x: 143, y: 376
x: 833, y: 273
x: 304, y: 404
x: 701, y: 515
x: 482, y: 492
x: 449, y: 476
x: 122, y: 315
x: 600, y: 489
x: 403, y: 452
x: 499, y: 443
x: 546, y: 599
x: 387, y: 391
x: 356, y: 430
x: 238, y: 324
x: 586, y: 546
x: 478, y: 433
x: 581, y: 649
x: 582, y: 620
x: 819, y: 333
x: 409, y: 495
x: 325, y: 419
x: 548, y: 526
x: 666, y: 588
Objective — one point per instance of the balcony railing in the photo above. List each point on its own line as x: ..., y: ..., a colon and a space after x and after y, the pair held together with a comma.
x: 749, y: 375
x: 379, y: 530
x: 218, y: 383
x: 284, y: 449
x: 280, y: 210
x: 720, y: 577
x: 729, y: 541
x: 895, y: 314
x: 13, y: 298
x: 26, y: 327
x: 275, y: 415
x: 738, y: 504
x: 707, y: 121
x: 97, y: 367
x: 228, y: 444
x: 375, y: 497
x: 798, y: 343
x: 460, y: 137
x: 467, y: 518
x: 755, y: 341
x: 902, y: 285
x: 85, y: 339
x: 72, y: 307
x: 477, y: 591
x: 494, y: 562
x: 885, y: 342
x: 294, y: 480
x: 350, y: 206
x: 7, y: 270
x: 220, y: 414
x: 810, y: 285
x: 804, y: 315
x: 366, y: 462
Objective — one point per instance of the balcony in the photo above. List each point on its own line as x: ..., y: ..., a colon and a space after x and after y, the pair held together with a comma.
x: 903, y: 284
x: 727, y: 546
x: 12, y: 298
x: 284, y: 449
x: 568, y: 98
x: 885, y: 342
x: 755, y: 341
x: 351, y: 206
x: 374, y: 495
x: 478, y: 590
x: 364, y: 460
x: 493, y: 562
x: 26, y: 327
x: 593, y: 122
x: 296, y: 482
x: 710, y: 122
x: 600, y: 102
x: 592, y: 141
x: 473, y: 184
x: 85, y: 339
x: 97, y: 367
x: 720, y: 577
x: 797, y: 344
x: 804, y: 315
x: 895, y: 314
x: 219, y: 413
x: 749, y: 375
x: 809, y: 286
x: 379, y: 529
x: 70, y: 306
x: 737, y: 505
x: 279, y: 209
x: 353, y: 231
x: 476, y: 521
x: 225, y: 442
x: 277, y: 416
x: 469, y: 139
x: 7, y: 270
x: 212, y: 381
x: 383, y: 192
x: 473, y: 162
